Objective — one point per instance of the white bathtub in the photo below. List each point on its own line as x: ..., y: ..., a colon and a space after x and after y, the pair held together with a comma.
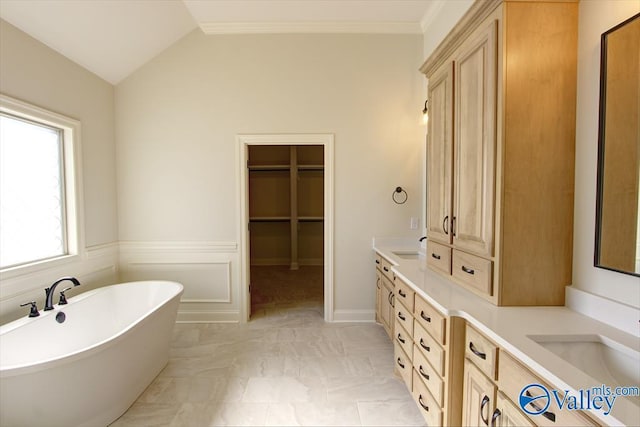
x: 89, y: 369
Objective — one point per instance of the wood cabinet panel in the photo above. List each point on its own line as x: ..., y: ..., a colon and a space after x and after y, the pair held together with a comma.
x: 475, y: 142
x: 440, y: 154
x: 426, y: 403
x: 439, y: 257
x: 430, y: 319
x: 507, y: 414
x: 426, y: 374
x: 478, y: 401
x: 430, y: 348
x: 474, y: 272
x: 481, y: 351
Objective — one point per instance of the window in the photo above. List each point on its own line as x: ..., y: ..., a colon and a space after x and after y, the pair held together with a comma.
x: 39, y: 176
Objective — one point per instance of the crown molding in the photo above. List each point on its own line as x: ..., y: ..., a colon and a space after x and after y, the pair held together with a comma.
x: 430, y: 14
x: 310, y: 27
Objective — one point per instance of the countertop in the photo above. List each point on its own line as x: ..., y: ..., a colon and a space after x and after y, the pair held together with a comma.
x: 509, y: 327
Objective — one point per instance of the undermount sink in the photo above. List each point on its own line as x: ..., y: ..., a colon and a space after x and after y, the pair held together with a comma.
x: 597, y: 356
x: 406, y: 254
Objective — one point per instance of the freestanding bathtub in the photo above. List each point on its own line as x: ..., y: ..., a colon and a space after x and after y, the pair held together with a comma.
x: 87, y: 370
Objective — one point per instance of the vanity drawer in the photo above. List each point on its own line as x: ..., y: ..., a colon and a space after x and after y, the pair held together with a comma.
x: 404, y: 340
x: 430, y: 319
x: 403, y: 364
x: 514, y: 377
x: 473, y: 271
x: 426, y: 403
x: 378, y: 260
x: 429, y: 348
x: 405, y: 318
x: 482, y: 352
x: 386, y: 268
x: 439, y: 257
x: 404, y: 294
x: 428, y: 376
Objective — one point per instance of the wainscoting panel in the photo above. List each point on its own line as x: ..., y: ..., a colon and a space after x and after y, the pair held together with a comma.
x: 207, y: 270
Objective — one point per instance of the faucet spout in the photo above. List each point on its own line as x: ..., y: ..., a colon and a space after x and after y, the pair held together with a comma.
x: 48, y: 303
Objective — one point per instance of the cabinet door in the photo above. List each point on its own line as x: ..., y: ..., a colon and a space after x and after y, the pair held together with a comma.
x: 475, y: 142
x: 386, y: 312
x: 507, y: 414
x: 379, y: 293
x: 440, y: 154
x: 478, y: 397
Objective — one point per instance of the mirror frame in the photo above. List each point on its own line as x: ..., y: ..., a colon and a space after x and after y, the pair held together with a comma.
x: 601, y: 144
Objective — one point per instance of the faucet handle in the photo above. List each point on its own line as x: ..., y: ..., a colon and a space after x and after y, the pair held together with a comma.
x: 63, y: 298
x: 34, y: 308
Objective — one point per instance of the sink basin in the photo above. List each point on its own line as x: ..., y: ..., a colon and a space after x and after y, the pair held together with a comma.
x: 406, y: 254
x: 597, y: 356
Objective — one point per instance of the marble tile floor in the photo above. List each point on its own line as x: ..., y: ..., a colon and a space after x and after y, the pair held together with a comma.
x: 285, y: 367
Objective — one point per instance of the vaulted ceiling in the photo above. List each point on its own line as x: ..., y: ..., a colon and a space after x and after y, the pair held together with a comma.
x: 112, y: 38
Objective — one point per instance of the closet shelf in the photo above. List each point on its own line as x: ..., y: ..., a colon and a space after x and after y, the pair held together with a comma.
x: 259, y: 168
x: 269, y: 219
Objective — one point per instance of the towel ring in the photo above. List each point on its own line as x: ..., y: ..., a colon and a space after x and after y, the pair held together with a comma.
x: 399, y: 196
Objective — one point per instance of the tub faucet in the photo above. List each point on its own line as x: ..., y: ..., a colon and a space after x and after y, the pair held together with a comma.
x: 48, y: 303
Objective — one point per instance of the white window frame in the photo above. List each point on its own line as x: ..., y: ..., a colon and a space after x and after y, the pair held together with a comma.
x: 73, y: 194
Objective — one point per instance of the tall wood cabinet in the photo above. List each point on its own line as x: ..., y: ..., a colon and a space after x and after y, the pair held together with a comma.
x: 500, y: 151
x: 286, y: 204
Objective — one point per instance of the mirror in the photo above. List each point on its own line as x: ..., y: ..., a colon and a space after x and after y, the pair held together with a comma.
x: 618, y: 199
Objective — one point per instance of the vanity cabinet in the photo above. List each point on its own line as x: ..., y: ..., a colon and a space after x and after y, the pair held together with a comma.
x: 384, y: 294
x: 436, y: 356
x: 500, y: 151
x: 493, y: 381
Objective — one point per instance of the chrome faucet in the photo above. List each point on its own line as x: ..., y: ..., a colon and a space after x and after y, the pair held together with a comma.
x: 48, y: 303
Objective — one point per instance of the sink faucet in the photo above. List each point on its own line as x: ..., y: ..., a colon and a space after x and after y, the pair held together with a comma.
x: 48, y: 303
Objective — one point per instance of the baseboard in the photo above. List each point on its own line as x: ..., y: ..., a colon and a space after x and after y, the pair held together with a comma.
x: 208, y: 317
x: 368, y: 316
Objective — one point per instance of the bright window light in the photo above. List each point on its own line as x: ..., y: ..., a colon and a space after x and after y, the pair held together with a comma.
x: 32, y: 214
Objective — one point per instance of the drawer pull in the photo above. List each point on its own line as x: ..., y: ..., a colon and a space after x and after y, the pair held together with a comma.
x: 426, y: 376
x: 548, y: 415
x: 495, y: 416
x: 425, y: 317
x: 425, y: 407
x: 401, y: 317
x: 402, y: 340
x: 468, y: 270
x: 385, y: 269
x: 445, y: 225
x: 481, y: 355
x: 485, y: 401
x: 423, y: 345
x: 435, y: 256
x: 378, y: 283
x: 402, y: 294
x: 378, y: 261
x: 400, y: 363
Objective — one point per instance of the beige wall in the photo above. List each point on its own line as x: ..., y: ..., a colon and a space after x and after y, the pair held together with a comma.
x: 32, y: 72
x: 595, y: 18
x: 177, y: 118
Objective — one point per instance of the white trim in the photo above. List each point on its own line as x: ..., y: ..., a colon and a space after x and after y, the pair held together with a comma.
x: 365, y: 316
x: 178, y: 247
x: 74, y: 205
x: 310, y: 28
x: 186, y: 316
x: 243, y: 141
x: 430, y: 14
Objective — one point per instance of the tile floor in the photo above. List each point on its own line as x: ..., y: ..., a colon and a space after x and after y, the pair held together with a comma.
x: 286, y: 367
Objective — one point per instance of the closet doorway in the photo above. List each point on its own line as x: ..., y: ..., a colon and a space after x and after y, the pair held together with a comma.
x: 286, y: 200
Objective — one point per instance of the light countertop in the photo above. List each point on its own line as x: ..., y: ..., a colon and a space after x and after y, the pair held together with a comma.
x: 509, y: 327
